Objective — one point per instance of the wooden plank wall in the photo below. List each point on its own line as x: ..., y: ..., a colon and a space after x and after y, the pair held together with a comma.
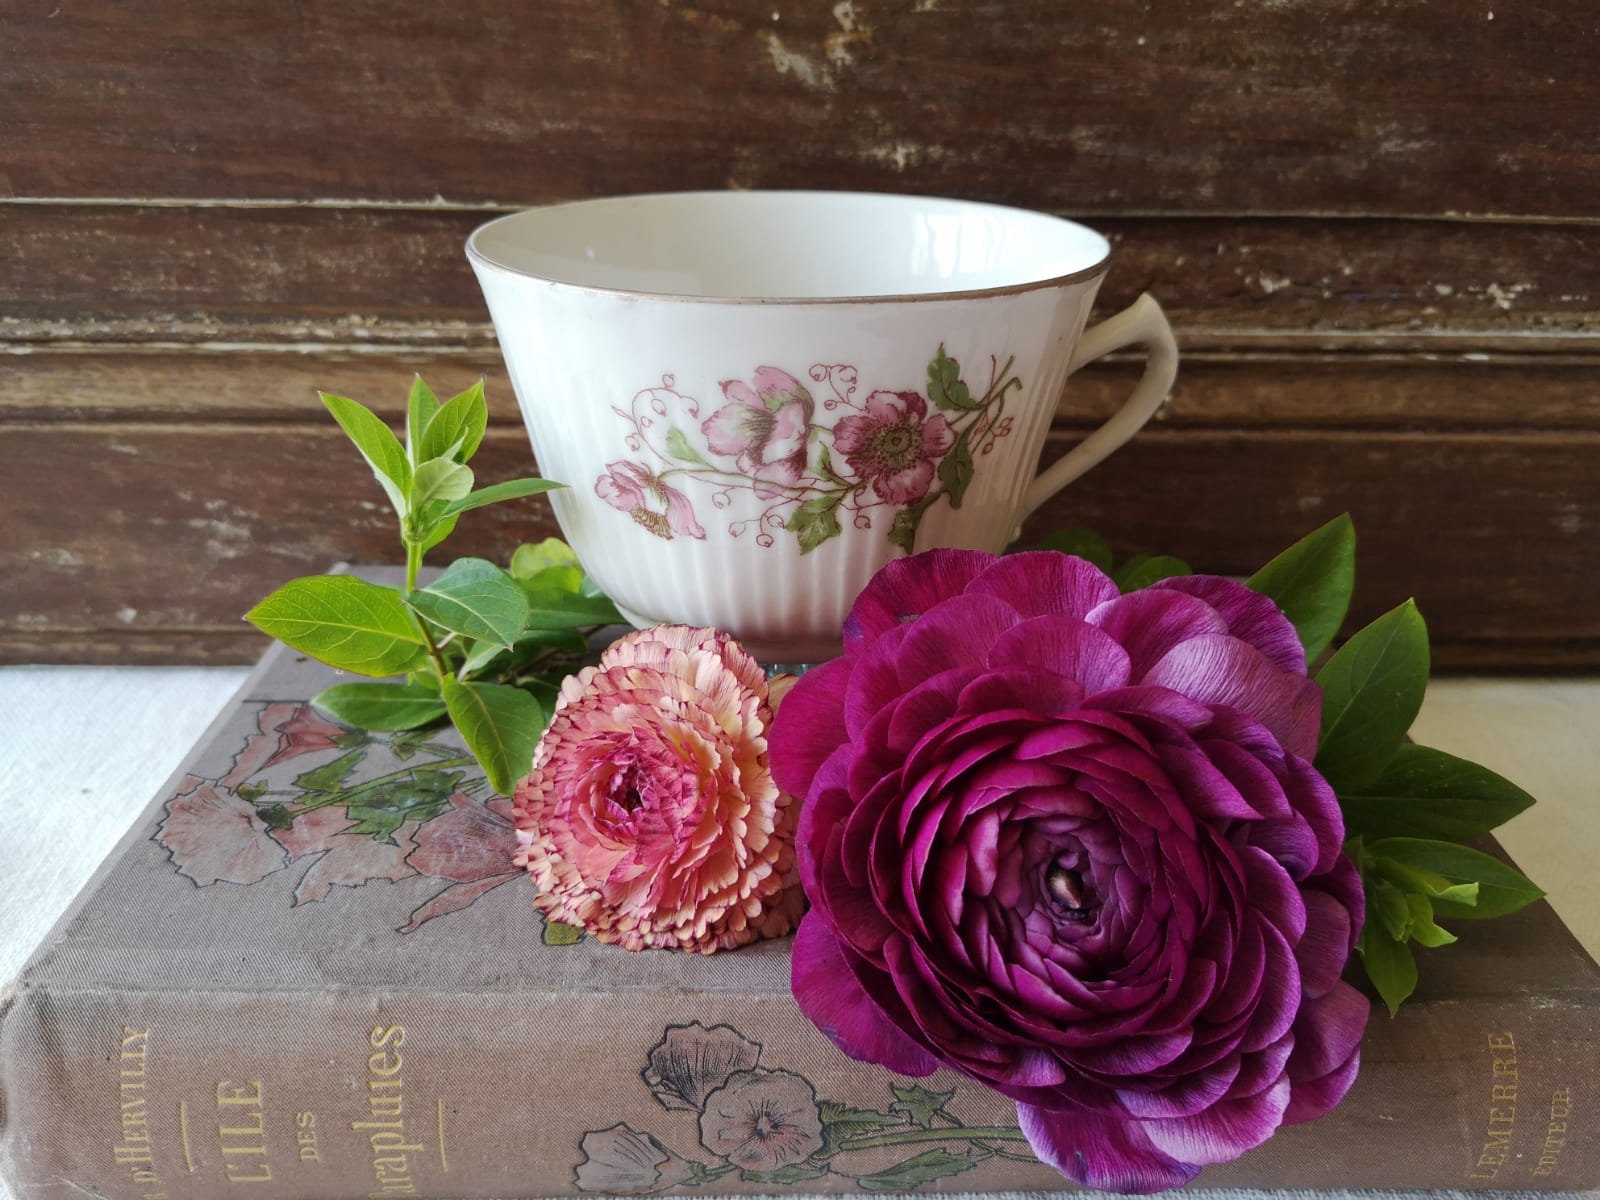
x: 1373, y: 225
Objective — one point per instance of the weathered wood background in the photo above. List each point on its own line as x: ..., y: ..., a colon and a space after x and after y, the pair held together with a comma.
x: 1374, y: 226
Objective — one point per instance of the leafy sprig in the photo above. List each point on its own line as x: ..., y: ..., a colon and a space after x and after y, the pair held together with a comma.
x: 482, y: 646
x: 1406, y: 807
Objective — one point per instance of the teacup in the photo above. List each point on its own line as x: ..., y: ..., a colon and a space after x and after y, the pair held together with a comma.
x: 758, y: 399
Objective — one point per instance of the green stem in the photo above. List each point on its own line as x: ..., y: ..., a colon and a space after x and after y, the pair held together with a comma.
x: 971, y: 1132
x: 413, y: 565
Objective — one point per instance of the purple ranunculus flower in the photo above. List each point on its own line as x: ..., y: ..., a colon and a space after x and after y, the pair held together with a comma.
x: 1071, y: 843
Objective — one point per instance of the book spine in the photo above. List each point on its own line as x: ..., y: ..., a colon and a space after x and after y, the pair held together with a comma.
x: 331, y: 1094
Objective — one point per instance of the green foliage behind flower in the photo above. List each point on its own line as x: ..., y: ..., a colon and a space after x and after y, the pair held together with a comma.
x: 1406, y: 807
x: 481, y: 645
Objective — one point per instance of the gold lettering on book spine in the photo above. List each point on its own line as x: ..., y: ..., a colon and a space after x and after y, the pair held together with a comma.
x: 131, y: 1147
x: 242, y: 1131
x: 1555, y: 1133
x: 393, y: 1167
x: 1502, y: 1123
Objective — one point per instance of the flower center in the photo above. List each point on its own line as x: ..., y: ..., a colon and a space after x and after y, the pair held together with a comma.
x: 622, y: 789
x: 1069, y: 894
x: 896, y: 447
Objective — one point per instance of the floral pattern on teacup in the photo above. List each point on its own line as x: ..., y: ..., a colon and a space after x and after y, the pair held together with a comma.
x: 886, y: 453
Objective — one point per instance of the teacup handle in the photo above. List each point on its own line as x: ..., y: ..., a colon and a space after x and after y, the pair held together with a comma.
x: 1141, y: 323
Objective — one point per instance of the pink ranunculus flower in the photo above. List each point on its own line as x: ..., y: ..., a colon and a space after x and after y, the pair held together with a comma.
x: 649, y: 500
x: 1071, y: 843
x: 895, y: 445
x: 764, y: 427
x: 651, y: 817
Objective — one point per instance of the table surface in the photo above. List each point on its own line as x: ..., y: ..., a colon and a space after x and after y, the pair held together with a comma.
x: 86, y: 748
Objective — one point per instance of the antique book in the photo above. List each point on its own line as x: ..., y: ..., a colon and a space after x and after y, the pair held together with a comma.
x: 311, y: 971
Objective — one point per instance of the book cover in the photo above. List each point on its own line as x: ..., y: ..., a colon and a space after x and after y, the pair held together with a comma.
x: 311, y: 971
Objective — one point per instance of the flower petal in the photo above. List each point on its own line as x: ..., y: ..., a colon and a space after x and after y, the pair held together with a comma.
x: 1066, y: 646
x: 1251, y: 617
x: 1217, y: 669
x: 906, y: 588
x: 834, y: 1001
x: 1103, y: 1152
x: 906, y: 486
x: 1041, y: 582
x: 809, y: 725
x: 1224, y: 1131
x: 1149, y: 622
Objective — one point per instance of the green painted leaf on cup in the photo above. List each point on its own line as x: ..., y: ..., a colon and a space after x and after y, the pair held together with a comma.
x: 500, y: 724
x: 1389, y: 964
x: 945, y: 388
x: 1426, y: 793
x: 385, y: 707
x: 956, y: 468
x: 457, y: 428
x: 816, y: 521
x: 475, y: 598
x: 1501, y: 889
x: 1311, y: 583
x: 378, y: 445
x: 343, y: 621
x: 1371, y: 691
x: 680, y: 448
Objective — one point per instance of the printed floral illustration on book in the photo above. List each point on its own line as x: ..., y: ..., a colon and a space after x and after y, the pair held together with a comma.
x: 887, y: 452
x: 344, y: 808
x: 767, y: 1125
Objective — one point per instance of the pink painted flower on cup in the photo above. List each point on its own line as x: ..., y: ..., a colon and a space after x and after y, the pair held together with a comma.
x: 649, y: 500
x: 765, y: 426
x: 651, y: 817
x: 895, y: 445
x: 1070, y: 843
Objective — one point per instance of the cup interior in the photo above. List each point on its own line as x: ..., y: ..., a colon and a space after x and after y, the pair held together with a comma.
x: 788, y: 245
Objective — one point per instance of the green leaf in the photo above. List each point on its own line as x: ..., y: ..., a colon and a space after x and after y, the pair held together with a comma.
x: 903, y: 532
x: 945, y: 388
x: 678, y: 446
x: 480, y: 656
x: 343, y: 621
x: 500, y: 724
x: 386, y: 707
x: 956, y: 469
x: 557, y: 608
x: 1144, y: 569
x: 815, y: 521
x: 919, y: 1104
x: 924, y: 1168
x: 1082, y: 543
x: 1424, y: 883
x: 511, y: 489
x: 1389, y: 964
x: 1501, y: 889
x: 458, y: 427
x: 421, y: 404
x: 440, y: 480
x: 1388, y: 904
x: 793, y: 1173
x: 475, y: 598
x: 1312, y: 581
x: 1422, y: 926
x: 377, y: 444
x: 438, y: 530
x: 331, y: 776
x: 1371, y: 691
x: 556, y: 933
x: 825, y: 467
x: 1427, y: 793
x: 557, y: 579
x: 528, y: 559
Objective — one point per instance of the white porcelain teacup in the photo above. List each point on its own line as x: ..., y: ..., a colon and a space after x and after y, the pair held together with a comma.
x: 760, y: 398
